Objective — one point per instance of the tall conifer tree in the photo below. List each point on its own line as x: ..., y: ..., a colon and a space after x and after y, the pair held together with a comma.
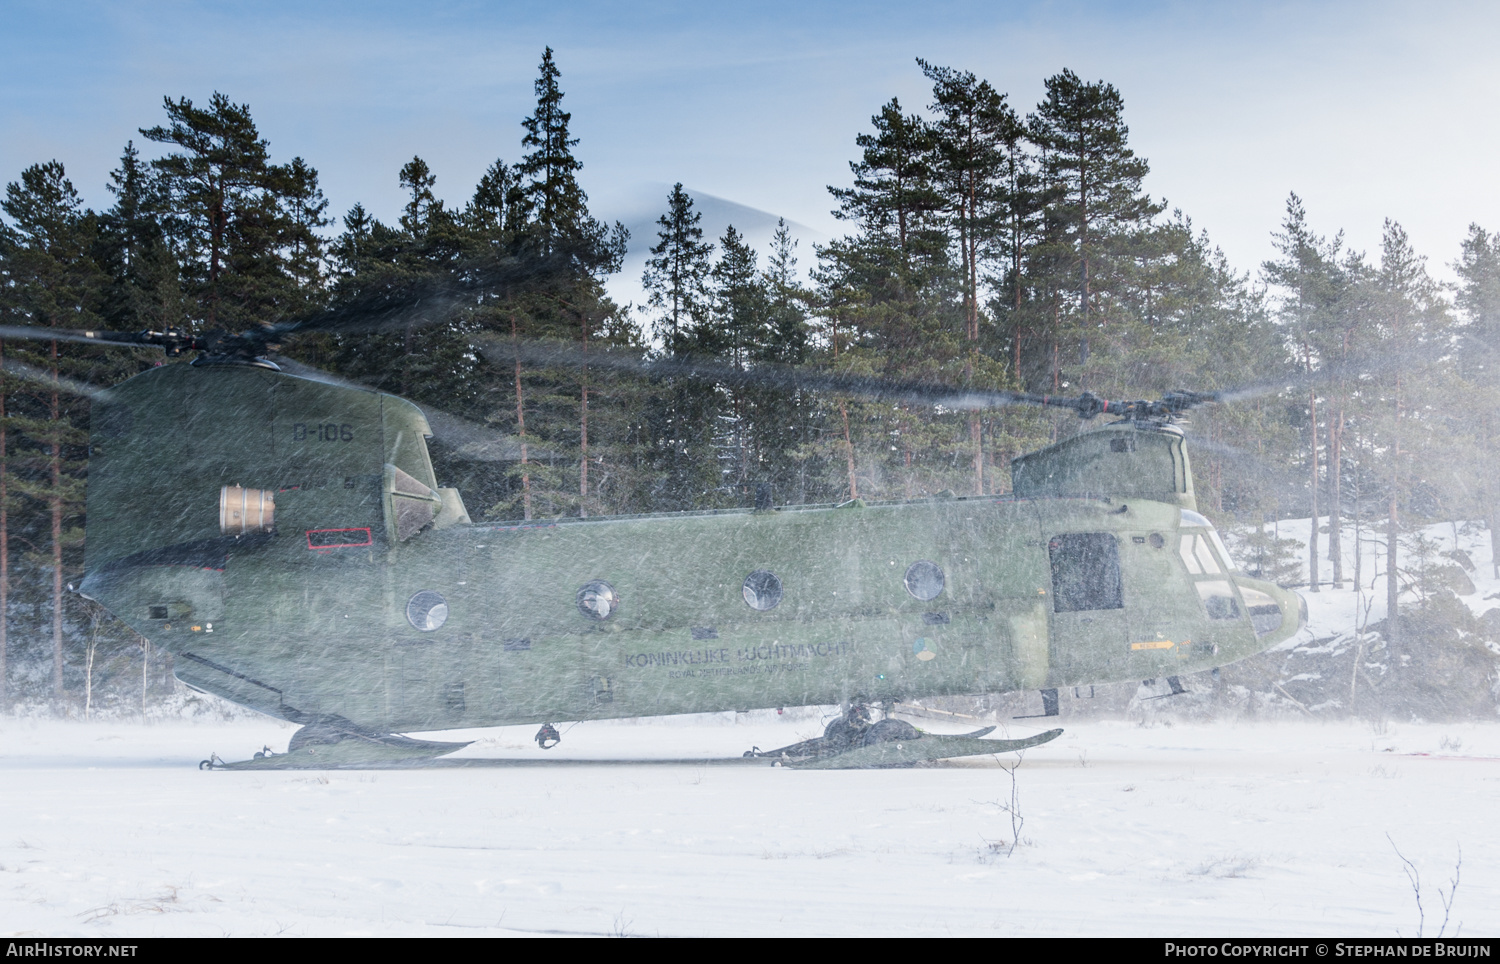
x: 676, y: 276
x: 1094, y: 175
x: 975, y: 128
x: 54, y: 283
x: 1478, y: 271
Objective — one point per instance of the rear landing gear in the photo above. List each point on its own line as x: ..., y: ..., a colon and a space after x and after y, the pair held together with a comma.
x: 548, y: 737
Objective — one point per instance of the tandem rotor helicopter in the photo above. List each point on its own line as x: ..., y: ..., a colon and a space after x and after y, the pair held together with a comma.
x: 284, y: 537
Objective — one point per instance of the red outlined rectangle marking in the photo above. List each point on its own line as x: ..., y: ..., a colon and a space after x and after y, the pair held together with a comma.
x: 320, y: 539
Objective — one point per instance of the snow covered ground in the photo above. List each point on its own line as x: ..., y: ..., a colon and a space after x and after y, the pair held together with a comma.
x: 110, y: 830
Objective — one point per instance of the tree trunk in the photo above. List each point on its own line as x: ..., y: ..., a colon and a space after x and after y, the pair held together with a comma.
x: 1336, y: 473
x: 1335, y: 501
x: 521, y: 425
x: 57, y: 559
x: 1083, y: 233
x: 4, y: 545
x: 1492, y: 518
x: 971, y: 295
x: 1392, y: 582
x: 849, y: 448
x: 88, y: 677
x: 1393, y: 531
x: 583, y: 427
x: 1358, y: 548
x: 1312, y: 541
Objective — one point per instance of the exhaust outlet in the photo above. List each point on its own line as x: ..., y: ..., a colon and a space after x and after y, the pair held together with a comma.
x: 243, y: 511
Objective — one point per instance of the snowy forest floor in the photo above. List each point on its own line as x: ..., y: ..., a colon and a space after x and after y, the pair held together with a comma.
x: 1146, y: 828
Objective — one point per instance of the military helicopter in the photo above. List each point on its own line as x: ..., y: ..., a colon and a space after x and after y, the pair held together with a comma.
x: 284, y: 537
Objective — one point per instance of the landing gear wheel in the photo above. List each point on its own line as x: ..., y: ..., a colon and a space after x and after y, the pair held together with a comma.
x: 548, y: 737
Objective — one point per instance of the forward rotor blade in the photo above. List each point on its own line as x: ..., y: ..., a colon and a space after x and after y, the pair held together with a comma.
x: 28, y: 333
x: 474, y: 441
x: 417, y: 301
x: 471, y: 440
x: 45, y: 379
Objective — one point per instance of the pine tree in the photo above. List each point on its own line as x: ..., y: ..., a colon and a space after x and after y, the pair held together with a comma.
x: 143, y: 291
x: 559, y: 206
x: 676, y: 276
x: 1478, y: 269
x: 417, y: 217
x: 1305, y: 272
x: 351, y: 249
x: 52, y: 281
x: 304, y: 211
x: 1094, y: 179
x: 785, y: 421
x: 220, y: 221
x: 677, y: 424
x: 974, y: 129
x: 893, y: 192
x: 738, y: 333
x: 500, y: 207
x: 1021, y: 230
x: 787, y: 334
x: 1323, y: 314
x: 1411, y: 324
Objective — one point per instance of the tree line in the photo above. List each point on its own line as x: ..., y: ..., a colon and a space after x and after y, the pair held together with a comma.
x: 986, y: 246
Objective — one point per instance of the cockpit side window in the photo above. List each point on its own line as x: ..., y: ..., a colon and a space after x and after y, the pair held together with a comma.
x: 1202, y: 553
x: 1085, y: 572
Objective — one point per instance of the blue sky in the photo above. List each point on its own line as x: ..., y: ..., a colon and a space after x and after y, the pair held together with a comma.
x: 1367, y: 110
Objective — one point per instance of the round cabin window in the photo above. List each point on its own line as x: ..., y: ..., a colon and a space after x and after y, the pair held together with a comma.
x: 427, y: 610
x: 598, y: 599
x: 924, y: 580
x: 762, y: 590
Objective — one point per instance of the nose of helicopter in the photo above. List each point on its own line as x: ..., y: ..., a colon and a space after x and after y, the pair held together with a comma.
x: 1301, y: 612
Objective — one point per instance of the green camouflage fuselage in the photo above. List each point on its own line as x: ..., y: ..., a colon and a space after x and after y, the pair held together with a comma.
x: 311, y: 620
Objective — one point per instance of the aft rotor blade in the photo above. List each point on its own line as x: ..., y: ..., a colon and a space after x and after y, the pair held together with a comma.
x: 764, y: 375
x: 561, y: 354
